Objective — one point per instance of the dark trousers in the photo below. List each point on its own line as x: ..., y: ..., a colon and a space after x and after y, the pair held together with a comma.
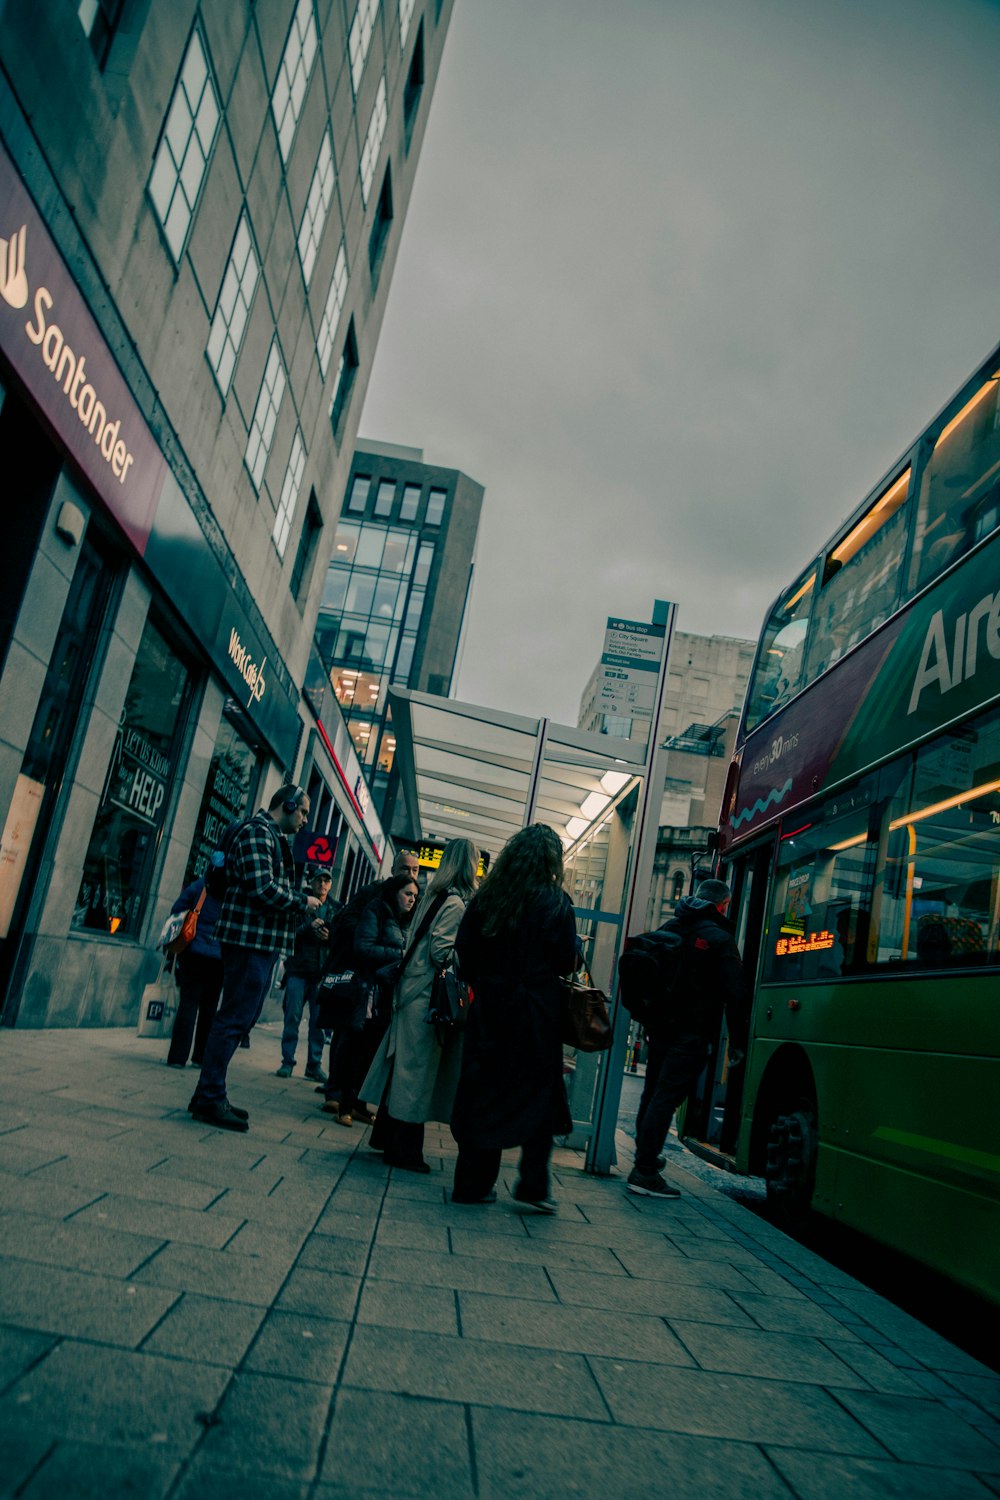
x: 246, y: 979
x: 672, y: 1069
x: 200, y: 984
x: 478, y: 1168
x: 402, y: 1140
x: 351, y: 1055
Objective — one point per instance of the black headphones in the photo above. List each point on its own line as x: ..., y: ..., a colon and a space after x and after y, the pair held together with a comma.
x: 292, y: 802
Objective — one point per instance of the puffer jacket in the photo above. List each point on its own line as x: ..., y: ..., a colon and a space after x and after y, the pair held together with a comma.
x: 710, y: 976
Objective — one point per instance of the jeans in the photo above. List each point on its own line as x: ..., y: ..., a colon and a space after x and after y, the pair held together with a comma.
x: 672, y: 1069
x: 478, y: 1168
x: 246, y: 979
x: 200, y: 982
x: 299, y: 992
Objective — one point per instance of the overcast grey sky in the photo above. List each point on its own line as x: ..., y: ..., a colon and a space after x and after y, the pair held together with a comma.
x: 679, y: 280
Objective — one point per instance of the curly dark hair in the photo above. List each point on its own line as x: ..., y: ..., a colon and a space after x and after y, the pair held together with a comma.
x: 530, y: 862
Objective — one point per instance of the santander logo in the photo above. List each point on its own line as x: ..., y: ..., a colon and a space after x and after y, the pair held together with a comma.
x: 67, y: 366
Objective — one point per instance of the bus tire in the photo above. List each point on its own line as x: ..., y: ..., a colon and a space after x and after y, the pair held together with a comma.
x: 790, y: 1165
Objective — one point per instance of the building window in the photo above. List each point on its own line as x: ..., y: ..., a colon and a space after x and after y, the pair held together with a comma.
x: 272, y: 388
x: 119, y: 861
x: 99, y: 19
x: 410, y: 503
x: 678, y: 891
x: 414, y: 86
x: 384, y: 496
x: 335, y: 299
x: 435, y: 507
x: 181, y: 159
x: 425, y: 558
x: 233, y: 307
x: 306, y: 551
x: 343, y: 382
x: 380, y: 229
x: 317, y: 207
x: 405, y: 15
x: 373, y: 140
x: 289, y: 493
x: 360, y: 38
x: 358, y: 498
x: 293, y: 76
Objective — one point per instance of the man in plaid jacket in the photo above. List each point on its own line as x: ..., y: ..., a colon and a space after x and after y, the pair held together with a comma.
x: 260, y: 912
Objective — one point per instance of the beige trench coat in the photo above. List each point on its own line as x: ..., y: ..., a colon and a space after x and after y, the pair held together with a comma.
x: 424, y: 1073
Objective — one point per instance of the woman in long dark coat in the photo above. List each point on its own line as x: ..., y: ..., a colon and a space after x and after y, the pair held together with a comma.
x: 517, y: 938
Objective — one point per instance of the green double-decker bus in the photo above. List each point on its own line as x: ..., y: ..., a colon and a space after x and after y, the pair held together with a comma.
x: 861, y: 831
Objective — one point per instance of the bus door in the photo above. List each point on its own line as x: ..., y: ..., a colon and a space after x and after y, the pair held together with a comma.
x: 712, y: 1114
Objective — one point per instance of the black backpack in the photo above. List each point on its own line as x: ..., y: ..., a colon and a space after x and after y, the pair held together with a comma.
x: 217, y: 875
x: 648, y: 971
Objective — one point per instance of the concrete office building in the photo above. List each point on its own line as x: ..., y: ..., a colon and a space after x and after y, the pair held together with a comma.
x: 707, y: 678
x: 394, y: 603
x: 200, y: 209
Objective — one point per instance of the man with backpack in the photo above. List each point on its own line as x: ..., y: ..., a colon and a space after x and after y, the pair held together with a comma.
x: 261, y: 910
x: 679, y: 980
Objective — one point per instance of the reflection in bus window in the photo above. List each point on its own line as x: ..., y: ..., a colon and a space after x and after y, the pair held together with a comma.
x: 778, y: 672
x: 861, y: 580
x: 960, y: 489
x: 820, y: 912
x: 939, y: 897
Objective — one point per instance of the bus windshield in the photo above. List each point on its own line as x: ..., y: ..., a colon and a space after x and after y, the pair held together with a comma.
x: 778, y: 671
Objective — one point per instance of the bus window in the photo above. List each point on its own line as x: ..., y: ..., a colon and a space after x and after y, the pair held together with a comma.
x: 821, y: 898
x: 939, y: 894
x: 778, y: 672
x: 960, y: 488
x: 860, y: 587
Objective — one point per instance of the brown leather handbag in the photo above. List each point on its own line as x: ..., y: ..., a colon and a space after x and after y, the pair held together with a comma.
x: 586, y: 1022
x: 188, y: 929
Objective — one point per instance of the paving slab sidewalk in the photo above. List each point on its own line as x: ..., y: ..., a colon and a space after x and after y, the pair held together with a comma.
x: 188, y: 1313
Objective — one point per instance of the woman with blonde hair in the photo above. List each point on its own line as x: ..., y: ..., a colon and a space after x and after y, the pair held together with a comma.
x: 516, y: 940
x: 420, y: 1067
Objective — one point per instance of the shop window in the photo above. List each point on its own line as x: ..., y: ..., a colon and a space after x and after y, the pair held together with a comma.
x: 778, y: 673
x: 181, y: 160
x: 821, y: 909
x: 232, y: 310
x: 861, y: 579
x: 938, y: 900
x: 335, y: 299
x: 343, y: 382
x: 959, y: 500
x: 293, y: 75
x: 118, y: 864
x: 265, y: 416
x: 373, y: 140
x: 99, y: 19
x: 379, y: 237
x: 360, y: 37
x: 317, y: 207
x: 435, y: 507
x: 231, y: 778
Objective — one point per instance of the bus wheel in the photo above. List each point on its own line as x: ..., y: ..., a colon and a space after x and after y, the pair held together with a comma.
x: 790, y: 1168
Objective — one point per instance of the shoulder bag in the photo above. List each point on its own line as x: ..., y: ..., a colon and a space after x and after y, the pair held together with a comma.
x: 586, y: 1023
x: 450, y: 999
x: 181, y: 937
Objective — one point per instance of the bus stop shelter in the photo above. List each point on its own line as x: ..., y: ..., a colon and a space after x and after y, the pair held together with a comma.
x: 478, y: 773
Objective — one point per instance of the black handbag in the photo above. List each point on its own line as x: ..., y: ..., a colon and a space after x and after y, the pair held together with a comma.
x: 586, y: 1023
x: 343, y: 1001
x: 448, y: 1005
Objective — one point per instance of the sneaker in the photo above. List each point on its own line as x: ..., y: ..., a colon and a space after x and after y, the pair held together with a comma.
x: 647, y: 1186
x: 285, y: 1071
x: 315, y: 1074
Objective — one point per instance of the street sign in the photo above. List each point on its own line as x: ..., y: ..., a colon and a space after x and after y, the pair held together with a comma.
x: 630, y: 662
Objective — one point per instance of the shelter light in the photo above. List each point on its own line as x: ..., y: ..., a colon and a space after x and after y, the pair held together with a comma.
x: 613, y: 781
x: 592, y: 805
x: 576, y: 826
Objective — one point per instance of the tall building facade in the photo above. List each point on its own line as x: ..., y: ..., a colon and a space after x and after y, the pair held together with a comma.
x: 200, y: 210
x: 396, y: 591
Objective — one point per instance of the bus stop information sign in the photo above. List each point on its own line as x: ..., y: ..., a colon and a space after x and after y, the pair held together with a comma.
x: 630, y: 663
